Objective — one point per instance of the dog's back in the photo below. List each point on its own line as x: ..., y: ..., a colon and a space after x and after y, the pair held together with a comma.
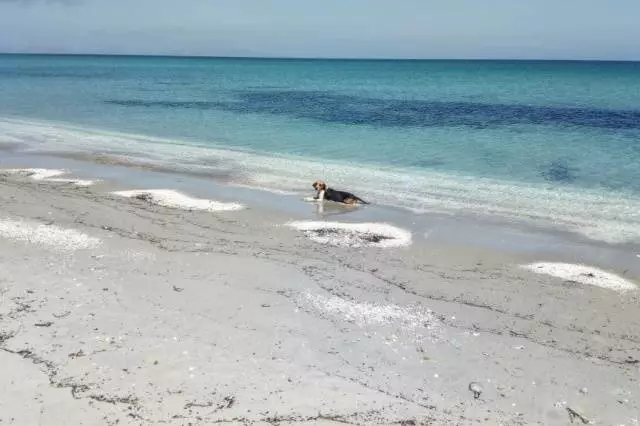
x: 335, y: 195
x: 342, y: 197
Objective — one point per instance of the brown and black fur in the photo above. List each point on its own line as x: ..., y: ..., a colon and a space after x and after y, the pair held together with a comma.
x: 323, y: 192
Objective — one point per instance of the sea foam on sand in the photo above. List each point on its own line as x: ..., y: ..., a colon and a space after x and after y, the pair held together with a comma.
x: 582, y: 274
x: 48, y: 236
x: 48, y: 175
x: 175, y: 199
x: 354, y: 234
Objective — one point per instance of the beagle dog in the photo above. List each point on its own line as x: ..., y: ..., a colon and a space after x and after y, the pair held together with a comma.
x: 323, y: 192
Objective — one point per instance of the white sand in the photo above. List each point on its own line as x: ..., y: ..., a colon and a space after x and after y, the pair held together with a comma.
x: 48, y: 236
x: 216, y: 321
x: 363, y: 314
x: 178, y: 200
x: 354, y: 234
x: 582, y: 274
x: 49, y: 175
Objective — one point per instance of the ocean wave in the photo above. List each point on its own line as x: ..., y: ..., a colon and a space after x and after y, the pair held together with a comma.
x: 611, y: 216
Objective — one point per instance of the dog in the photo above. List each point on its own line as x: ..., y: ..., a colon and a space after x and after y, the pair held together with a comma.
x: 323, y: 192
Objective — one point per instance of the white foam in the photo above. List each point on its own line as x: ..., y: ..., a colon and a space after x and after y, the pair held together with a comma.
x: 48, y: 236
x: 351, y: 234
x: 364, y: 314
x: 178, y: 200
x: 265, y: 189
x: 38, y: 174
x: 582, y: 274
x: 48, y: 175
x: 77, y: 182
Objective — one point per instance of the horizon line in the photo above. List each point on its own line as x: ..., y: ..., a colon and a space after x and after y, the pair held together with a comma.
x: 303, y: 58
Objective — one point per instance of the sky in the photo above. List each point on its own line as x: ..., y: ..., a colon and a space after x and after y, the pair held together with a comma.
x: 457, y: 29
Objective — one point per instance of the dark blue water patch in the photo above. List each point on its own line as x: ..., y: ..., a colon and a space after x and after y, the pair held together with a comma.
x: 165, y: 104
x: 558, y: 171
x: 354, y: 110
x: 266, y: 87
x: 174, y: 83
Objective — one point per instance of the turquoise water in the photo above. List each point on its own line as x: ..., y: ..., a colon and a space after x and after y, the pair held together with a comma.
x: 555, y: 143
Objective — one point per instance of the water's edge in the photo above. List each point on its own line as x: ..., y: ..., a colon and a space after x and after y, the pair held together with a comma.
x: 598, y: 214
x: 431, y: 228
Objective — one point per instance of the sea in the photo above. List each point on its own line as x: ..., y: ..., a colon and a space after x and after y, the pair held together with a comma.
x: 542, y: 144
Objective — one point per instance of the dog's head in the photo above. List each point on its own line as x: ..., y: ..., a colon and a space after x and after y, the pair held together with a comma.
x: 319, y: 185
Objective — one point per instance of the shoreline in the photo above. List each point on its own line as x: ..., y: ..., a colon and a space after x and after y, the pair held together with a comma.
x: 494, y: 234
x: 591, y: 214
x: 180, y: 316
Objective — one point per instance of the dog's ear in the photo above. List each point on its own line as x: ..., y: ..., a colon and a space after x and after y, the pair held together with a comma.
x: 322, y: 186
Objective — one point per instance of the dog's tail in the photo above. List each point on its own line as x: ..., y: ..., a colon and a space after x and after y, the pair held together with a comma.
x: 361, y: 200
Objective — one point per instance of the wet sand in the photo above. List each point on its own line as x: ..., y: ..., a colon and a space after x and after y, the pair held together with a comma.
x: 117, y: 310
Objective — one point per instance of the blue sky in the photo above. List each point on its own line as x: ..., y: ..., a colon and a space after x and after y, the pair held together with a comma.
x: 554, y: 29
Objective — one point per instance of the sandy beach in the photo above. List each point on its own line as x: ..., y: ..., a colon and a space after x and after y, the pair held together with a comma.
x: 128, y: 310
